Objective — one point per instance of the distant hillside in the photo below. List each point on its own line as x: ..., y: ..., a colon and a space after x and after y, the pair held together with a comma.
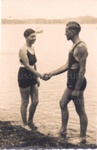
x: 85, y: 19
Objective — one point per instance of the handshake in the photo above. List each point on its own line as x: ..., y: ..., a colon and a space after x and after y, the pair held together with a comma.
x: 46, y: 76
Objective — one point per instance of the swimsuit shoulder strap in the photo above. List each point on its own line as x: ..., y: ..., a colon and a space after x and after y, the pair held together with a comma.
x: 76, y: 45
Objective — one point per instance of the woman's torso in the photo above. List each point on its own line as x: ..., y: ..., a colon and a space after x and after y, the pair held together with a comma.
x: 30, y: 55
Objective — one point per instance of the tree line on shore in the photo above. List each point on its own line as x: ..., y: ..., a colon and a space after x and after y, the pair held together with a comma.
x: 82, y: 19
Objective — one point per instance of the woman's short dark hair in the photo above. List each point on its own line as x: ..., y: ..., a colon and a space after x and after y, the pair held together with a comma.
x: 74, y: 26
x: 29, y: 31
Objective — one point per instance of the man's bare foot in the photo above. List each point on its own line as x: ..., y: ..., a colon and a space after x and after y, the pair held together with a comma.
x: 63, y: 133
x: 83, y: 141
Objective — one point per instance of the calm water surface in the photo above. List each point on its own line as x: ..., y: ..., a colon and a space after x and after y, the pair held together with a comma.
x: 52, y: 50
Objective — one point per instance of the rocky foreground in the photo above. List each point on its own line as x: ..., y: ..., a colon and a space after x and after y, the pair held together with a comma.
x: 14, y: 136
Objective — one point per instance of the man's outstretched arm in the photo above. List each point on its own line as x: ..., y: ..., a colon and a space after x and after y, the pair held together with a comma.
x: 59, y: 70
x: 56, y: 72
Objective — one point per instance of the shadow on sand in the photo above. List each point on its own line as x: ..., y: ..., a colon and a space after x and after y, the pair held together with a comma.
x: 13, y: 136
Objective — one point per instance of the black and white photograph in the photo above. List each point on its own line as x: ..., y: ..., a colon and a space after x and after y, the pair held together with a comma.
x: 48, y: 75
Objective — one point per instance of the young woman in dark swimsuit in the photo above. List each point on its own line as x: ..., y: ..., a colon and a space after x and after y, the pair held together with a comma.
x: 28, y: 79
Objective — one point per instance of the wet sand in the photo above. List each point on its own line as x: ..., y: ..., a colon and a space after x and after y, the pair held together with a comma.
x: 14, y: 136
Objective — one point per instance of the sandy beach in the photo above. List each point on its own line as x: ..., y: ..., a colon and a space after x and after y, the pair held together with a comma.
x: 12, y: 136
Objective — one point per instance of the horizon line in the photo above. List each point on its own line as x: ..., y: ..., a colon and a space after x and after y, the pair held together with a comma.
x: 49, y: 18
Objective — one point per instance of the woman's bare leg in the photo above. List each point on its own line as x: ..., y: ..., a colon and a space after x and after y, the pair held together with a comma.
x: 34, y: 102
x: 24, y: 103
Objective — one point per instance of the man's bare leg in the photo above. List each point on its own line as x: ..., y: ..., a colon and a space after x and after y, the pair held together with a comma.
x: 80, y: 109
x: 64, y: 111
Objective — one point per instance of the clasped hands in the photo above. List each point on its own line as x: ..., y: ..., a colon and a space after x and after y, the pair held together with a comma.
x: 46, y: 76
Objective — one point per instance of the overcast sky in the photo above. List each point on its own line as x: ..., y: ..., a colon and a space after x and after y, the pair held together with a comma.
x: 22, y: 9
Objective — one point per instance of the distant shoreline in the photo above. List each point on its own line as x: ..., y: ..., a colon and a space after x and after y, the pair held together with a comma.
x: 82, y: 20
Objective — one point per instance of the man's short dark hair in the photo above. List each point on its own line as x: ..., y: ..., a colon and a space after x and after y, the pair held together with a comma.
x: 74, y: 26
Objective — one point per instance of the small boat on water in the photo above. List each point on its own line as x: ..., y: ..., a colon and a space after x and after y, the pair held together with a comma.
x: 39, y: 31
